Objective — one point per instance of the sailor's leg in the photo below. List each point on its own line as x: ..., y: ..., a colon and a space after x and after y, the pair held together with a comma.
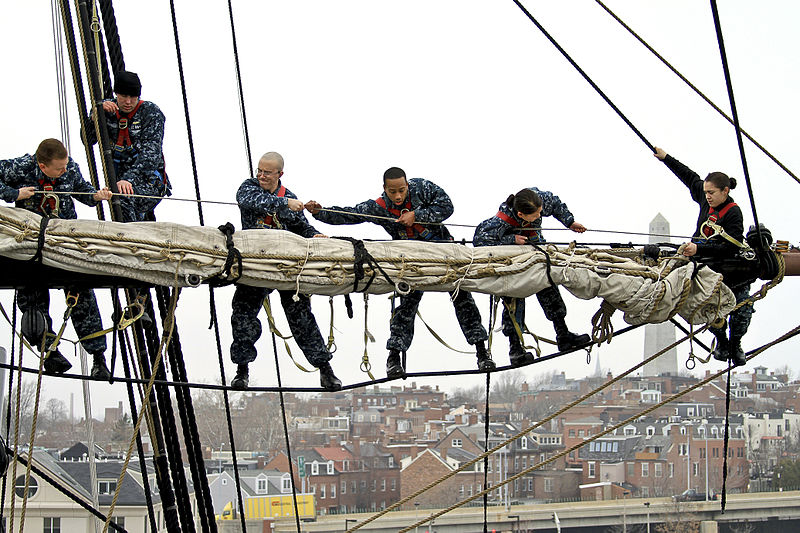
x: 740, y: 322
x: 555, y: 311
x: 33, y: 300
x: 469, y: 318
x: 245, y: 325
x: 304, y: 327
x: 517, y: 306
x: 402, y: 324
x: 86, y: 320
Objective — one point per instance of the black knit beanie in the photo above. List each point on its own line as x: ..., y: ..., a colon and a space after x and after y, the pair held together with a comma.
x: 127, y: 83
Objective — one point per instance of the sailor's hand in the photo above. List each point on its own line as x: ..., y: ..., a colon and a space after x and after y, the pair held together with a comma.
x: 520, y: 239
x: 577, y: 227
x: 294, y: 204
x: 320, y: 236
x: 659, y: 153
x: 102, y: 194
x: 313, y: 207
x: 125, y: 187
x: 110, y: 106
x: 407, y: 219
x: 689, y: 249
x: 25, y: 193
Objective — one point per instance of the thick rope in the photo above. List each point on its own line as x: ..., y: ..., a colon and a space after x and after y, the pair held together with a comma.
x: 596, y: 436
x: 10, y: 400
x: 696, y: 90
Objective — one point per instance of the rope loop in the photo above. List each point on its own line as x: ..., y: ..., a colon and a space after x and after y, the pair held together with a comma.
x: 229, y: 273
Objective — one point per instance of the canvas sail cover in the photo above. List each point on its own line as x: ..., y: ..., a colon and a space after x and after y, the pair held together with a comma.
x: 164, y: 253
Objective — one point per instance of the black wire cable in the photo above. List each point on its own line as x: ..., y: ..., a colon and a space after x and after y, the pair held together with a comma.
x: 585, y: 76
x: 242, y: 109
x: 696, y: 90
x: 286, y: 433
x: 735, y: 114
x: 724, y: 497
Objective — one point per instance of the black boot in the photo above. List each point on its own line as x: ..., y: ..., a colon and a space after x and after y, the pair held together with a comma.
x: 736, y: 353
x: 394, y: 366
x: 327, y: 379
x: 242, y: 378
x: 565, y: 339
x: 56, y: 363
x: 720, y: 352
x: 485, y: 362
x: 99, y: 368
x: 517, y: 353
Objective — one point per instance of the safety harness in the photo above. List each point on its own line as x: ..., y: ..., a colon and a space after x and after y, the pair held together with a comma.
x: 271, y: 220
x: 124, y: 143
x: 710, y: 228
x: 531, y: 233
x: 421, y: 232
x: 49, y: 203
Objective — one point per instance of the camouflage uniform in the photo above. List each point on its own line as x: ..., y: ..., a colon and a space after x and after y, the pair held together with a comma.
x: 25, y: 172
x: 430, y: 203
x: 496, y: 232
x: 255, y: 204
x: 717, y: 247
x: 141, y: 163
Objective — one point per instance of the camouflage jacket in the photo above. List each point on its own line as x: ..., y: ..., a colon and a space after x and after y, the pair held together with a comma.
x: 428, y: 201
x: 25, y: 172
x: 146, y: 129
x: 496, y: 231
x: 257, y: 204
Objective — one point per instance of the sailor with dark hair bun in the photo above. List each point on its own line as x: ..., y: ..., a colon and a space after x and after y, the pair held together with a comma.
x: 717, y: 208
x: 136, y: 129
x: 519, y: 221
x: 403, y: 210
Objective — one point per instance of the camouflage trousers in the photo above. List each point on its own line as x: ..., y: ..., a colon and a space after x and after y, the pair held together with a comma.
x: 135, y: 209
x: 739, y: 320
x: 247, y: 302
x: 402, y: 324
x: 550, y: 300
x: 85, y: 315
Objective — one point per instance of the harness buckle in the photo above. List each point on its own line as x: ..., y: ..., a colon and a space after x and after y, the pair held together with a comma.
x: 46, y: 204
x: 123, y: 123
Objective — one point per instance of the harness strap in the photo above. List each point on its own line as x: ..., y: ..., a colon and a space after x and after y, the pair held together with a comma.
x: 421, y: 230
x: 37, y: 257
x: 123, y: 121
x: 229, y: 273
x: 515, y: 223
x: 271, y: 220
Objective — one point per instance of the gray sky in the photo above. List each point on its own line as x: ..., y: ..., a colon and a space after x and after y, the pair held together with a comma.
x: 468, y: 94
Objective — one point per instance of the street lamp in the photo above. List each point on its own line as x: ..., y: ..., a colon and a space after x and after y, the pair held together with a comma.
x: 347, y: 522
x: 516, y: 529
x: 557, y: 521
x: 647, y: 504
x: 220, y: 456
x: 416, y: 515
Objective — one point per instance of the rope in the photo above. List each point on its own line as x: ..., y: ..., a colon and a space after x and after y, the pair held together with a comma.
x: 486, y: 457
x: 112, y: 36
x: 596, y: 436
x: 286, y: 435
x: 242, y: 110
x: 724, y: 497
x: 735, y: 114
x: 58, y: 51
x: 8, y: 403
x: 585, y: 76
x: 696, y: 90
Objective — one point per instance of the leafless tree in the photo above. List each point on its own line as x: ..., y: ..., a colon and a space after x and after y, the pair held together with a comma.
x: 506, y: 388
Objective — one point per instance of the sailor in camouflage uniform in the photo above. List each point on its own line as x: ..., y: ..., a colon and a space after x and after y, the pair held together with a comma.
x: 403, y: 208
x: 265, y: 203
x: 136, y: 127
x: 519, y: 221
x: 22, y: 180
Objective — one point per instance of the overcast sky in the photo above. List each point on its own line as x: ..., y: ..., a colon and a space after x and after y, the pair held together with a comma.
x: 468, y: 94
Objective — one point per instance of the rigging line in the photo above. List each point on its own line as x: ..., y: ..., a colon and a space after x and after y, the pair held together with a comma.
x: 226, y: 388
x: 286, y: 432
x: 603, y: 433
x: 242, y: 110
x: 226, y: 402
x: 486, y: 458
x: 9, y: 402
x: 696, y: 90
x: 585, y: 76
x: 189, y: 135
x: 58, y: 50
x: 530, y: 428
x: 735, y: 114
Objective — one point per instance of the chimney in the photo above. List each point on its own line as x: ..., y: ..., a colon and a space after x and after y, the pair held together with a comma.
x: 443, y: 452
x: 357, y: 448
x: 260, y: 462
x: 525, y: 387
x: 473, y: 418
x: 334, y: 441
x: 414, y: 451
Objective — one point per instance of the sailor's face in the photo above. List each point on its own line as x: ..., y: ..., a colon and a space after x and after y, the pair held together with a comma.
x: 127, y: 103
x: 55, y: 169
x: 532, y: 216
x: 714, y: 195
x: 396, y: 189
x: 268, y: 174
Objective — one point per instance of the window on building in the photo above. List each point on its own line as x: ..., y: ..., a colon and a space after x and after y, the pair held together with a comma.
x: 581, y: 433
x: 391, y: 461
x: 658, y: 469
x: 383, y: 485
x: 353, y: 487
x: 19, y: 486
x: 714, y: 452
x: 52, y: 525
x: 456, y: 443
x: 645, y: 492
x: 516, y: 463
x: 523, y: 443
x: 394, y: 484
x: 651, y: 431
x: 322, y: 491
x: 702, y: 453
x: 548, y: 484
x: 461, y: 491
x: 374, y: 485
x: 344, y: 487
x: 645, y: 469
x: 571, y: 432
x: 671, y: 469
x: 261, y: 486
x: 694, y: 469
x: 690, y: 411
x: 330, y: 467
x: 314, y: 468
x: 333, y: 490
x: 591, y: 468
x: 524, y: 462
x: 683, y: 430
x: 119, y: 520
x: 631, y: 469
x: 682, y: 449
x: 106, y: 487
x: 363, y: 485
x: 530, y: 484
